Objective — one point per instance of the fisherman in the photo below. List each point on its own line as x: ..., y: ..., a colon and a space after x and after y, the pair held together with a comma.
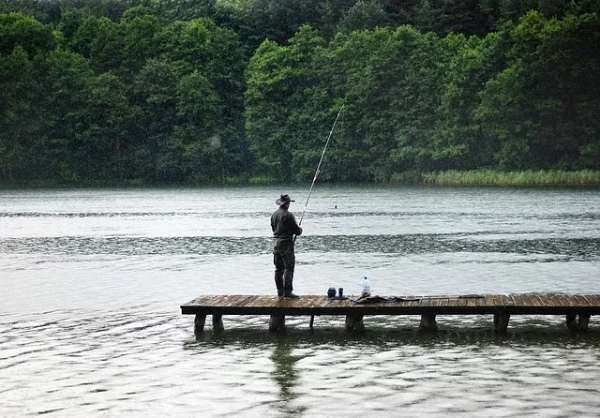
x: 284, y: 226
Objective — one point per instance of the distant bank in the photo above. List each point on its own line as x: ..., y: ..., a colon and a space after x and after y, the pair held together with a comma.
x: 487, y: 178
x: 442, y: 178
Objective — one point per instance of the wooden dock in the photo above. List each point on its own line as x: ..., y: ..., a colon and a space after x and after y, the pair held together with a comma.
x: 576, y: 308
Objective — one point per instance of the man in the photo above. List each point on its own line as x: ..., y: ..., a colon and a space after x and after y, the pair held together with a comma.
x: 284, y: 228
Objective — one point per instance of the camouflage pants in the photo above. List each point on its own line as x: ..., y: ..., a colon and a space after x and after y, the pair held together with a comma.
x: 285, y: 261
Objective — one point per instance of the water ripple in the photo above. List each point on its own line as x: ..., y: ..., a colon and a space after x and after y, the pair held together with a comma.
x: 92, y: 281
x: 103, y: 364
x: 571, y: 248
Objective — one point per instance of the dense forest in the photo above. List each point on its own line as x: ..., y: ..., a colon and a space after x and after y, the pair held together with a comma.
x: 182, y: 91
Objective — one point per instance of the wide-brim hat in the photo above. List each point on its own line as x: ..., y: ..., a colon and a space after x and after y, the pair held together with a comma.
x: 284, y: 198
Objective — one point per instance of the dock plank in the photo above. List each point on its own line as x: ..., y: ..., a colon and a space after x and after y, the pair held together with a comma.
x: 553, y: 301
x: 582, y: 301
x: 519, y: 300
x: 562, y: 302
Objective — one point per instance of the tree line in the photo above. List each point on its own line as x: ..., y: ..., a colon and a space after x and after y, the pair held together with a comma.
x: 159, y: 91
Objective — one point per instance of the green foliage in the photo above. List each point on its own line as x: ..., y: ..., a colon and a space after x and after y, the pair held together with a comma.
x: 26, y: 32
x: 513, y: 178
x: 540, y: 106
x: 365, y: 14
x: 195, y: 91
x: 284, y: 103
x: 120, y: 100
x: 16, y: 106
x: 468, y: 17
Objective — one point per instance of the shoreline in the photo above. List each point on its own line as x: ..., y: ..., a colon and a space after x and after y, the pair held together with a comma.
x: 480, y: 177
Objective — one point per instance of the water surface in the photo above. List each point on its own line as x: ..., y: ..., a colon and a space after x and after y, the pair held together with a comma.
x: 92, y: 282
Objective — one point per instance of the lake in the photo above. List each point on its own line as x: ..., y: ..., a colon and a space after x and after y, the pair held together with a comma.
x: 92, y: 281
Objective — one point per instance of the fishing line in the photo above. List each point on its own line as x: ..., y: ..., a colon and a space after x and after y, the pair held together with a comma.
x: 319, y: 166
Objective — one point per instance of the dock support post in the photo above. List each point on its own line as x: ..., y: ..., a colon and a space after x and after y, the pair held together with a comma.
x: 218, y: 323
x: 312, y: 321
x: 583, y: 322
x: 578, y: 322
x: 428, y: 323
x: 501, y: 323
x: 572, y: 322
x: 355, y: 323
x: 277, y: 323
x: 199, y: 322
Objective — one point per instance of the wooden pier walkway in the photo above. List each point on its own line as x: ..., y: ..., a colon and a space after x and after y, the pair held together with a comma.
x: 576, y: 308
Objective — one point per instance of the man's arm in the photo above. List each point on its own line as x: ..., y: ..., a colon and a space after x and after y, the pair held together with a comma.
x: 294, y: 227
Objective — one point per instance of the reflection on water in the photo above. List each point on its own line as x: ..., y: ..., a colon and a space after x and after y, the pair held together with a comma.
x: 533, y: 371
x: 93, y: 280
x: 286, y: 376
x: 134, y: 362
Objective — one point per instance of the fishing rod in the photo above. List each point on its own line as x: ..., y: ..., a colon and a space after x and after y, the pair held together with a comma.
x: 319, y: 166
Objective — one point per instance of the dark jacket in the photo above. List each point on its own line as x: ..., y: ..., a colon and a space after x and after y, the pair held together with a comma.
x: 284, y: 226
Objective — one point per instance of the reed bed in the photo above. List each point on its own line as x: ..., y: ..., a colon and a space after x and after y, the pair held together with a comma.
x: 514, y: 178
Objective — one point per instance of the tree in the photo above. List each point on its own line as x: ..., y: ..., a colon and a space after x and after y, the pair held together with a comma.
x: 16, y: 111
x: 24, y: 43
x: 285, y: 105
x: 195, y: 138
x: 394, y: 85
x: 26, y: 32
x: 202, y: 49
x: 541, y: 105
x: 65, y: 84
x: 365, y: 14
x: 155, y: 93
x: 458, y: 141
x: 102, y: 144
x: 139, y: 29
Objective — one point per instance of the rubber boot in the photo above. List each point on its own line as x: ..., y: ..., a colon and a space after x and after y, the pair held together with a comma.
x: 288, y: 285
x: 279, y: 283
